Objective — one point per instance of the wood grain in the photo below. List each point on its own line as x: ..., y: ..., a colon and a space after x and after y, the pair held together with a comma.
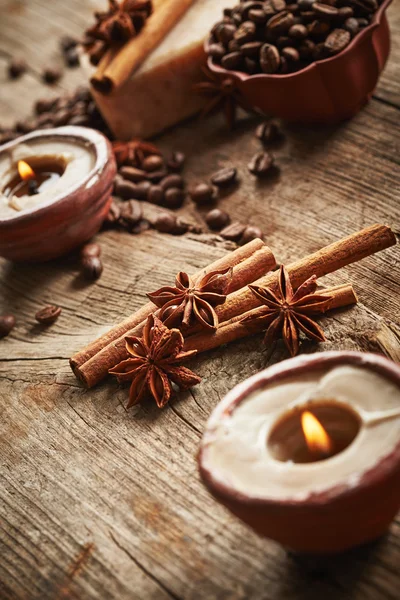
x: 97, y: 502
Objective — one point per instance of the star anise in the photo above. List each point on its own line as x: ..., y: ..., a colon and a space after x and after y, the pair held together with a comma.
x: 223, y: 96
x: 288, y: 312
x: 132, y: 153
x: 122, y: 21
x: 154, y: 362
x: 188, y: 302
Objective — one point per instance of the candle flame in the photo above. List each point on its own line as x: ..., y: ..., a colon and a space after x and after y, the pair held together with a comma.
x: 316, y: 437
x: 25, y: 171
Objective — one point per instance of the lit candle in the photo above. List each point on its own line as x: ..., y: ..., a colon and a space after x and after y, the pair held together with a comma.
x: 55, y: 190
x: 308, y: 451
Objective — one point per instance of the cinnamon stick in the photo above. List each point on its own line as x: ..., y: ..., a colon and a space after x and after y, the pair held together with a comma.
x: 92, y: 363
x: 228, y: 331
x: 116, y: 68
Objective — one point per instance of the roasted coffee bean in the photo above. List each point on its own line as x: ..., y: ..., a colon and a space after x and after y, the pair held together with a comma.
x: 225, y: 33
x: 176, y: 161
x: 294, y: 9
x: 125, y: 189
x: 51, y: 74
x: 72, y: 57
x: 174, y: 197
x: 92, y: 267
x: 62, y: 117
x: 203, y: 193
x: 278, y: 5
x: 16, y: 68
x: 224, y: 177
x: 217, y: 219
x: 362, y: 23
x: 251, y: 66
x: 132, y: 173
x: 261, y: 164
x: 282, y: 41
x: 337, y: 41
x: 143, y: 225
x: 131, y: 213
x: 67, y: 42
x: 307, y: 17
x: 305, y: 5
x: 319, y: 52
x: 165, y: 222
x: 252, y: 232
x: 318, y: 29
x: 268, y: 132
x: 155, y: 195
x: 269, y: 58
x: 153, y: 162
x: 298, y: 32
x: 246, y: 6
x: 291, y: 54
x: 217, y: 51
x: 142, y: 189
x: 251, y: 50
x: 245, y: 33
x: 233, y: 232
x: 345, y: 12
x: 7, y: 323
x: 232, y: 61
x: 234, y: 46
x: 258, y: 16
x: 172, y: 181
x: 280, y: 23
x: 44, y: 105
x: 157, y: 176
x: 113, y: 215
x: 306, y: 49
x: 324, y: 11
x: 91, y: 249
x: 48, y: 314
x: 351, y: 25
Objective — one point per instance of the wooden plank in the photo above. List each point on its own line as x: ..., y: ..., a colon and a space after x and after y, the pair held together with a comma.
x: 97, y: 502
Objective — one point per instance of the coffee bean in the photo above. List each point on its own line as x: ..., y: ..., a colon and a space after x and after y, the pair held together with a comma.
x: 7, y: 323
x: 251, y: 66
x: 269, y: 58
x: 225, y: 33
x: 298, y: 32
x: 345, y: 12
x: 72, y: 57
x: 91, y: 249
x: 131, y: 213
x: 319, y: 52
x: 337, y: 41
x: 176, y: 161
x: 258, y: 16
x: 172, y: 181
x: 92, y: 267
x: 113, y: 215
x: 202, y: 194
x: 318, y: 29
x: 67, y: 42
x: 217, y: 219
x: 261, y: 164
x: 324, y: 11
x: 306, y: 49
x: 155, y: 194
x: 291, y: 54
x: 362, y: 23
x: 48, y: 314
x: 44, y: 105
x: 280, y: 23
x: 232, y: 61
x: 62, y: 117
x: 157, y: 176
x: 51, y: 74
x: 153, y: 162
x: 305, y: 5
x: 351, y: 25
x: 224, y: 177
x: 246, y: 6
x: 216, y: 51
x: 174, y: 197
x: 233, y: 232
x: 234, y: 46
x: 252, y: 49
x: 165, y: 222
x: 245, y: 33
x: 282, y: 41
x: 142, y: 189
x: 16, y: 68
x: 251, y: 233
x: 125, y: 189
x: 132, y: 174
x: 268, y: 132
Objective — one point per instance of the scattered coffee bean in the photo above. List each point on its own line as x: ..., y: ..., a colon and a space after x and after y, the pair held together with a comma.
x: 44, y: 105
x: 165, y: 222
x: 174, y: 197
x: 91, y: 249
x: 131, y: 213
x: 142, y: 189
x: 224, y: 177
x: 71, y: 57
x: 7, y: 323
x: 202, y: 194
x: 125, y: 189
x: 48, y: 314
x: 261, y: 164
x: 217, y: 219
x: 113, y: 214
x: 155, y: 194
x: 251, y: 233
x: 172, y: 181
x: 152, y: 163
x: 16, y: 68
x: 67, y: 42
x: 51, y: 74
x: 268, y: 132
x: 92, y: 267
x: 176, y: 161
x: 157, y: 176
x: 233, y: 232
x: 132, y: 174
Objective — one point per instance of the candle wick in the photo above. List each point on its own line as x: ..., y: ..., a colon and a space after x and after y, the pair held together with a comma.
x: 32, y: 187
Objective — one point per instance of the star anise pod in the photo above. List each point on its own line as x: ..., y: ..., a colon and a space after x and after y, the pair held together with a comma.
x: 154, y: 362
x: 223, y: 96
x: 122, y: 21
x: 188, y: 302
x: 134, y: 152
x: 288, y: 312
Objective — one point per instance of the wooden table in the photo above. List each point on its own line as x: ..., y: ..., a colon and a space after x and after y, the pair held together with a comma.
x: 98, y: 502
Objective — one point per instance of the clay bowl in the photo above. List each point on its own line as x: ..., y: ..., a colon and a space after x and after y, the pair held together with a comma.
x: 55, y: 228
x: 354, y: 511
x: 326, y: 91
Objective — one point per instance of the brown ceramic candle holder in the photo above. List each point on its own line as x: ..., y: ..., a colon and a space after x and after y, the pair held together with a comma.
x: 326, y: 91
x: 74, y: 202
x: 255, y: 459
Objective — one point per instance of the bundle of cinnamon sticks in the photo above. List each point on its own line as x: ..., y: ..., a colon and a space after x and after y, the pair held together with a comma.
x: 253, y: 263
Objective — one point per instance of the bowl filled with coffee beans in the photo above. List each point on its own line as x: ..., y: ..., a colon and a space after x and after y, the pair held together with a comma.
x: 302, y: 60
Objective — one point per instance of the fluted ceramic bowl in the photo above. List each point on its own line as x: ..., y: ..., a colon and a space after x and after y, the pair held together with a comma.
x: 72, y: 217
x: 326, y: 91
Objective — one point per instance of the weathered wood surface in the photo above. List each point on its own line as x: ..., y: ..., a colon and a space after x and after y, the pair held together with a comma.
x: 98, y: 502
